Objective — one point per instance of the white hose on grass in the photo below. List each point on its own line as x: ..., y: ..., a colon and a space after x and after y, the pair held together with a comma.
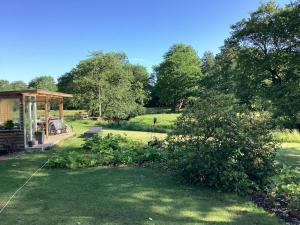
x: 6, y: 204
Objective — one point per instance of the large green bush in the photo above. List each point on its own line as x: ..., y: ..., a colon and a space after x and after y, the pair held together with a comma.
x: 218, y: 143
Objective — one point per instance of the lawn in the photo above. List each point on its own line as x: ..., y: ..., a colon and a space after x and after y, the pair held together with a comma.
x: 290, y: 154
x: 164, y: 123
x: 113, y: 195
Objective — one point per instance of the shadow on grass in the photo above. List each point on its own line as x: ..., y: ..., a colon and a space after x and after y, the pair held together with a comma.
x: 290, y: 155
x: 119, y: 196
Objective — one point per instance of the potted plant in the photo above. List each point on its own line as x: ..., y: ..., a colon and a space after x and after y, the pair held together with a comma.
x: 9, y: 125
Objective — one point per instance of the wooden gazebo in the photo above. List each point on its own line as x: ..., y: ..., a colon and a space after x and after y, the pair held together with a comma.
x: 18, y: 115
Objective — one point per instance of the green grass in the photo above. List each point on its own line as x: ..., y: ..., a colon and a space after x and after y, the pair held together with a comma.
x: 287, y: 136
x: 290, y: 155
x: 157, y: 110
x: 79, y: 126
x: 164, y: 123
x: 113, y: 195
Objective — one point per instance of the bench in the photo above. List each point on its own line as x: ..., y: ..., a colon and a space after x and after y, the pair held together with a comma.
x: 81, y: 116
x: 93, y: 131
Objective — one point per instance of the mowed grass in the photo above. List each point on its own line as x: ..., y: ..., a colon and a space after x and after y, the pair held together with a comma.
x: 290, y: 154
x: 79, y: 126
x: 113, y: 195
x: 164, y: 123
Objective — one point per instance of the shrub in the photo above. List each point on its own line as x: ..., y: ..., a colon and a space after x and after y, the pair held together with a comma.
x: 9, y: 124
x: 70, y: 160
x: 218, y: 143
x: 285, y: 189
x: 110, y: 150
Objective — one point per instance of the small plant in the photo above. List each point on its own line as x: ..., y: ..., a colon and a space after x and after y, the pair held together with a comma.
x: 9, y: 124
x: 110, y: 150
x: 285, y: 189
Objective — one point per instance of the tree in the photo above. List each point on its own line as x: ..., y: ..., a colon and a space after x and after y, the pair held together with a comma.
x: 208, y: 62
x: 65, y: 84
x: 4, y: 85
x: 140, y: 74
x: 43, y: 82
x: 268, y: 59
x: 18, y: 85
x: 105, y: 85
x: 177, y: 75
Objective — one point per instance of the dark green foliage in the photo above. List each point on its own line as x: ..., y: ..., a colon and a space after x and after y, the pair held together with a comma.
x: 260, y: 63
x: 285, y: 189
x: 218, y: 143
x: 177, y: 75
x: 106, y: 85
x: 268, y: 60
x: 9, y: 124
x: 110, y: 150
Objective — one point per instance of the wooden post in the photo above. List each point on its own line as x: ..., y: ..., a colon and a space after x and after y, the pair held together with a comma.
x: 47, y: 116
x: 34, y: 114
x: 22, y: 117
x: 61, y: 109
x: 30, y: 118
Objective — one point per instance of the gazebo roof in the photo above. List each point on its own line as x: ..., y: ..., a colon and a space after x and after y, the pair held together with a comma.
x: 36, y: 92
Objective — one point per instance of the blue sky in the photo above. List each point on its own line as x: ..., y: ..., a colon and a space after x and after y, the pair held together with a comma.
x: 51, y: 37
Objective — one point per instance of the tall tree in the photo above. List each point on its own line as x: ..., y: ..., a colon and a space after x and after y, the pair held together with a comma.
x: 268, y: 48
x: 208, y: 62
x: 43, y: 82
x: 177, y: 75
x: 218, y: 72
x: 140, y: 74
x: 105, y: 85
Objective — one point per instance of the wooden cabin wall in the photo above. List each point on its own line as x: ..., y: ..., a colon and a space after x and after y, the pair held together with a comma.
x: 13, y: 140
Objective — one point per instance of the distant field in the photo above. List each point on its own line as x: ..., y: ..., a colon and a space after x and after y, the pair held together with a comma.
x: 157, y: 110
x: 163, y: 124
x: 79, y: 126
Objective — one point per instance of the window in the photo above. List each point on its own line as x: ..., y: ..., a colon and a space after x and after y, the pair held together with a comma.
x: 9, y: 113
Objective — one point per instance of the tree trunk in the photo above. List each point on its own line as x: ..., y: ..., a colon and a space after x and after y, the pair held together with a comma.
x: 180, y: 104
x: 99, y: 99
x: 174, y: 105
x: 276, y: 79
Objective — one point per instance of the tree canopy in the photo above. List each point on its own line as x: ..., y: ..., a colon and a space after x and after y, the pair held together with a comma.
x: 106, y: 85
x: 43, y: 82
x: 260, y: 62
x: 177, y: 75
